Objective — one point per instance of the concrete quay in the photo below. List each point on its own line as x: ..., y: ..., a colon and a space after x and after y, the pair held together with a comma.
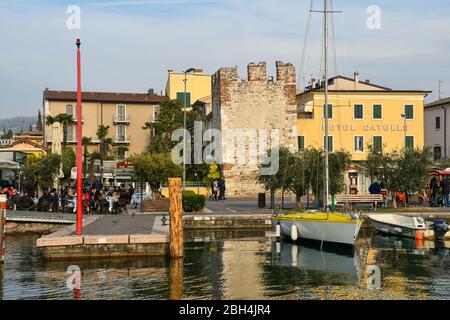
x: 108, y: 237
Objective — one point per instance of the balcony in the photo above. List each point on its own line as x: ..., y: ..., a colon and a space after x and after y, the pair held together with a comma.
x: 122, y: 119
x: 75, y: 119
x: 122, y: 139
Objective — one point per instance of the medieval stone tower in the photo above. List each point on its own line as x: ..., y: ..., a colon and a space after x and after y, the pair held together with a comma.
x: 244, y: 108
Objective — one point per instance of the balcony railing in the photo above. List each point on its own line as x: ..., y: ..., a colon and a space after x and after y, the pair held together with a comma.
x: 122, y: 119
x: 75, y: 119
x: 122, y: 139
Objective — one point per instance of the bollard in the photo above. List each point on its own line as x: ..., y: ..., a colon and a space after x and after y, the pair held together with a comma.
x: 2, y: 227
x: 176, y: 218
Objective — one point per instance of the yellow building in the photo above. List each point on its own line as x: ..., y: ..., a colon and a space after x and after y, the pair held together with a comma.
x: 124, y: 113
x: 198, y: 86
x: 360, y: 114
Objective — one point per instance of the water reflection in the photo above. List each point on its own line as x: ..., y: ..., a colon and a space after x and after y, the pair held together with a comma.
x: 238, y: 265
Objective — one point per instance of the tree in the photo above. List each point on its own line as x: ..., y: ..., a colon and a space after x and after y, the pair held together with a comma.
x: 39, y: 122
x: 154, y: 169
x: 41, y: 172
x: 69, y: 160
x: 213, y: 173
x: 9, y: 134
x: 30, y: 129
x: 105, y: 143
x: 120, y: 152
x: 86, y: 142
x: 65, y: 119
x: 170, y: 118
x: 403, y: 171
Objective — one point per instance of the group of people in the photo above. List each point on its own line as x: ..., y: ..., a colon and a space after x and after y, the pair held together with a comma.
x: 95, y: 198
x: 218, y: 188
x: 439, y: 191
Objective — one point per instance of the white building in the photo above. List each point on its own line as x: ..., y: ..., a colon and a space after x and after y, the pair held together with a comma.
x: 437, y: 130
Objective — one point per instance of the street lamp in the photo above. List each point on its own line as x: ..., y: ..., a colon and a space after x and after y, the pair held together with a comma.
x: 404, y: 126
x: 184, y: 133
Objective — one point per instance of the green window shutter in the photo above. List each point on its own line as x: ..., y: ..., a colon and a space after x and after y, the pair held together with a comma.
x: 409, y: 111
x: 180, y: 97
x: 330, y: 143
x: 378, y: 143
x: 409, y: 143
x: 358, y: 111
x: 377, y: 113
x: 330, y: 111
x: 301, y: 143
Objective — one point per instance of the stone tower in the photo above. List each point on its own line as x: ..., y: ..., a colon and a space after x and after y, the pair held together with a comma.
x: 243, y: 108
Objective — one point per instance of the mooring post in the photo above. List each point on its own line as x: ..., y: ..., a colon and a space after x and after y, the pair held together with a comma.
x: 176, y: 218
x: 2, y: 226
x: 176, y: 279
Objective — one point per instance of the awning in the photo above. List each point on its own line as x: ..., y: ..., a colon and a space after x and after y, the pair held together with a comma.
x: 307, y: 107
x: 6, y: 164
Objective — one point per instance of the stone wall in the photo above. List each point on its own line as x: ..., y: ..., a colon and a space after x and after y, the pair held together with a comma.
x: 260, y: 104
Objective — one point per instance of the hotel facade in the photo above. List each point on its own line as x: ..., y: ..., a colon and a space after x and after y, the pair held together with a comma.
x: 361, y: 114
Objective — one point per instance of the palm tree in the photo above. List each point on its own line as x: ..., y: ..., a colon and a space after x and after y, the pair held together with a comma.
x: 65, y: 119
x: 120, y: 150
x: 92, y: 157
x: 86, y: 142
x: 105, y: 143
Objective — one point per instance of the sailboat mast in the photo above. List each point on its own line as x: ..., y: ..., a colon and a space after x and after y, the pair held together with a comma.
x: 327, y: 173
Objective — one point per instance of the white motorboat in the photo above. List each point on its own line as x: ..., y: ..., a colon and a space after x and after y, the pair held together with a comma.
x: 399, y: 225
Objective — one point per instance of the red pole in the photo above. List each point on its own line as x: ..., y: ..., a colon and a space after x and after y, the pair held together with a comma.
x: 79, y: 224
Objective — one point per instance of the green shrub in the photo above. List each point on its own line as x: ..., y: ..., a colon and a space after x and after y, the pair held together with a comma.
x: 193, y: 202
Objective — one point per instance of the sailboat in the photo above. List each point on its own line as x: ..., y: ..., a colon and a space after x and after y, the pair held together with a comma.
x: 324, y: 226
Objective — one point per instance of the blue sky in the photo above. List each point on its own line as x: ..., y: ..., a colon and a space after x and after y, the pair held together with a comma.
x: 129, y: 45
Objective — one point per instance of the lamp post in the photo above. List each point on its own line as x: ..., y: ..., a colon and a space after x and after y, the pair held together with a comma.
x: 79, y: 220
x: 184, y: 127
x: 404, y: 126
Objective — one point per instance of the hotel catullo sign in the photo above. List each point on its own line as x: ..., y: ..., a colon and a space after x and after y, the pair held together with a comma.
x: 366, y: 127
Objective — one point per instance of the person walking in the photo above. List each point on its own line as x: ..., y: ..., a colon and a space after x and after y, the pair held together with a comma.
x: 445, y: 190
x: 222, y: 188
x: 215, y: 188
x: 434, y: 188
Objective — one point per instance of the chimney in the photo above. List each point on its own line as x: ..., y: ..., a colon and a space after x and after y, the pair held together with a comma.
x: 151, y: 91
x: 367, y: 80
x: 356, y: 80
x: 313, y: 83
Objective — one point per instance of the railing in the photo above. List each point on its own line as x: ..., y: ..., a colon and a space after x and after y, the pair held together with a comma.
x: 190, y: 184
x: 75, y: 118
x: 122, y: 139
x: 122, y: 118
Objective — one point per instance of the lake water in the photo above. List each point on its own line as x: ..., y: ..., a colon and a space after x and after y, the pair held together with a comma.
x: 239, y: 265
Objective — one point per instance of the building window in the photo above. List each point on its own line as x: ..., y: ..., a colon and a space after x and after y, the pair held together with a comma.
x: 330, y: 143
x: 358, y: 112
x: 330, y: 111
x: 69, y: 109
x: 437, y: 153
x: 180, y: 97
x: 377, y: 112
x: 438, y: 123
x: 378, y: 143
x: 359, y: 144
x: 409, y: 111
x: 121, y: 133
x: 301, y: 143
x: 409, y: 142
x: 69, y: 133
x: 121, y: 111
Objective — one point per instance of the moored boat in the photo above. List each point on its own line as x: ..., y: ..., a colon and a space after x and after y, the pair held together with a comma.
x: 399, y: 225
x: 320, y: 226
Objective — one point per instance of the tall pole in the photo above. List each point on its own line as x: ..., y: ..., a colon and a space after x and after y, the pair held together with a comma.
x: 79, y: 222
x: 184, y: 133
x: 327, y: 173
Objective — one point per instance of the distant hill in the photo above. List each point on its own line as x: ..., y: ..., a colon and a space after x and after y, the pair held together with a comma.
x: 17, y: 123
